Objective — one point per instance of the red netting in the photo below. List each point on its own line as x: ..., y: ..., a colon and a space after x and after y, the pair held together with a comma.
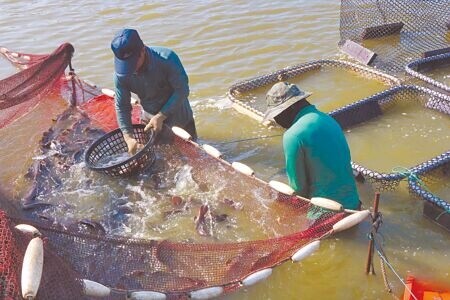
x: 20, y: 92
x: 72, y: 252
x: 13, y: 244
x: 103, y: 114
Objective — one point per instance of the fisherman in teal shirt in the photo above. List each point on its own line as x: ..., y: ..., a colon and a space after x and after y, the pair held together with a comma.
x: 316, y: 151
x: 157, y: 76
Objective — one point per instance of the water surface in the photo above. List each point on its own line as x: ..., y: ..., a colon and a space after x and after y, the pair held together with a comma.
x: 219, y: 44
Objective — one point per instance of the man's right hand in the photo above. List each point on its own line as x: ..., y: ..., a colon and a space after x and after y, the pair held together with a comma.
x: 132, y: 143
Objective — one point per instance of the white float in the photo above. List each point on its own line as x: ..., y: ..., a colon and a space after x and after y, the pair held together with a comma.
x: 95, y: 289
x: 180, y: 132
x: 147, y: 295
x: 327, y: 203
x: 33, y: 262
x: 108, y: 92
x: 207, y: 293
x: 257, y: 277
x: 281, y: 187
x: 244, y: 169
x: 25, y: 228
x: 305, y: 251
x: 111, y: 93
x: 212, y: 151
x: 351, y: 220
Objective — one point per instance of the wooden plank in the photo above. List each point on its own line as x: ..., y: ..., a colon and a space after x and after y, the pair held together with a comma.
x: 381, y: 30
x: 437, y: 215
x: 358, y: 52
x: 435, y: 52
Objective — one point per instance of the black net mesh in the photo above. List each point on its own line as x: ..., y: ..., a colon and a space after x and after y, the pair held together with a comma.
x: 419, y: 67
x: 374, y: 107
x: 398, y: 31
x: 241, y: 93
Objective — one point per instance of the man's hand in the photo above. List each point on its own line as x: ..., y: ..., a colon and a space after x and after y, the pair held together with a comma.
x: 132, y: 144
x: 155, y: 123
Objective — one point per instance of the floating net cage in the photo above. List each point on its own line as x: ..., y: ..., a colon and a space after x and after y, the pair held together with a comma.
x: 431, y: 182
x: 397, y: 31
x: 256, y: 109
x: 374, y: 107
x: 81, y: 260
x: 418, y: 67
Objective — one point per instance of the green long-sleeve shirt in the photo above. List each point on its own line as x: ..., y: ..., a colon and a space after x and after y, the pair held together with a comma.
x: 162, y: 86
x: 318, y: 158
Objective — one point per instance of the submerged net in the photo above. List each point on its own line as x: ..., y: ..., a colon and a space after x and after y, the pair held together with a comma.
x: 398, y: 31
x: 78, y: 248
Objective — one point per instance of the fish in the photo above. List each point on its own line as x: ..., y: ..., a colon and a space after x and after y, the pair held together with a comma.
x: 200, y: 221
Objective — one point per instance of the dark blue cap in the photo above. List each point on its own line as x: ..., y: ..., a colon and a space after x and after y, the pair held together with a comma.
x: 126, y: 45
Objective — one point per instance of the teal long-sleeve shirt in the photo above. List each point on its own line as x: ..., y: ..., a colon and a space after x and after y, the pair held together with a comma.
x: 318, y: 158
x: 162, y: 86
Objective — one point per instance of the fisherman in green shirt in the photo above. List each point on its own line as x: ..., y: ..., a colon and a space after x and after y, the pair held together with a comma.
x: 316, y: 151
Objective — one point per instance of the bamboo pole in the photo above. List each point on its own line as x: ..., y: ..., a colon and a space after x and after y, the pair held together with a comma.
x: 369, y: 264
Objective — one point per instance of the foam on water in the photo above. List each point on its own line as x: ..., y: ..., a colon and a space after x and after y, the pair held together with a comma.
x: 112, y: 160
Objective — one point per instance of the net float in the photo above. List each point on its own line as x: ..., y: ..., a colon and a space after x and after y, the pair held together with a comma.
x: 111, y: 93
x: 147, y: 295
x: 257, y: 277
x: 207, y: 293
x: 33, y: 262
x: 95, y: 289
x: 212, y: 151
x: 351, y: 220
x: 305, y: 251
x: 244, y: 169
x: 15, y: 54
x: 108, y: 92
x: 25, y: 228
x: 180, y: 132
x: 327, y: 203
x: 26, y: 57
x: 281, y: 187
x: 3, y: 50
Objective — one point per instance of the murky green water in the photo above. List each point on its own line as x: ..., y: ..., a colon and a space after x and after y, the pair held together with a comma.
x: 221, y: 43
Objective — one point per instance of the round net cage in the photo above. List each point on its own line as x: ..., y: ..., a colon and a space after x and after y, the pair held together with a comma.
x: 420, y: 69
x: 243, y: 93
x: 375, y: 107
x: 430, y: 182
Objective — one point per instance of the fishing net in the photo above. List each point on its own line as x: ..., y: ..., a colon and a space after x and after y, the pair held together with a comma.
x: 397, y: 31
x: 41, y: 75
x: 419, y: 67
x: 101, y: 109
x: 244, y: 100
x: 78, y: 249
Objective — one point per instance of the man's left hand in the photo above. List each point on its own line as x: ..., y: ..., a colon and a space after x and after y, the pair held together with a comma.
x: 156, y: 123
